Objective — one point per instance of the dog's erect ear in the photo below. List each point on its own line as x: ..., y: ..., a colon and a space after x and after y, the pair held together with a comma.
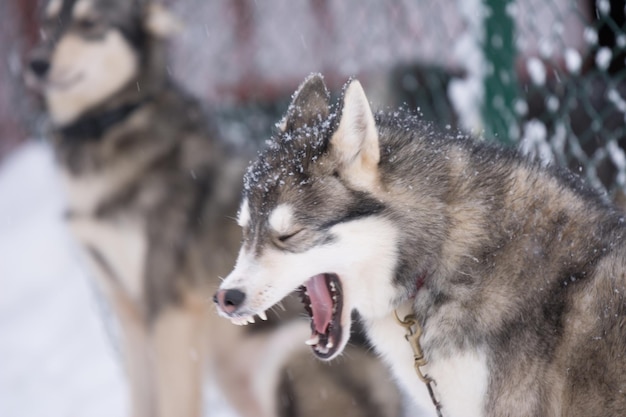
x: 159, y: 22
x: 310, y: 104
x: 355, y: 142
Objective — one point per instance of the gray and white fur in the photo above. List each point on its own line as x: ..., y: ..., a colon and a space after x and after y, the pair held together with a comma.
x: 516, y: 271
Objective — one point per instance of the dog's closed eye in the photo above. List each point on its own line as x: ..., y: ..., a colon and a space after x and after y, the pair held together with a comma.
x: 88, y: 24
x: 285, y: 237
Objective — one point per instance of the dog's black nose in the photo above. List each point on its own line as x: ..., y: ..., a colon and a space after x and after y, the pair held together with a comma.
x: 40, y: 67
x: 229, y: 300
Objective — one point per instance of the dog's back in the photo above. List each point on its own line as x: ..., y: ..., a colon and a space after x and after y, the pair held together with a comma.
x: 530, y: 270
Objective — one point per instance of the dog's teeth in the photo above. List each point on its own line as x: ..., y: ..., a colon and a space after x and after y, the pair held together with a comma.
x: 329, y: 345
x: 242, y: 321
x: 314, y: 340
x: 262, y: 315
x: 321, y: 349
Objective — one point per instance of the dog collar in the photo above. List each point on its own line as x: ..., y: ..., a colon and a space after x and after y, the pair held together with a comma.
x: 93, y: 127
x: 421, y: 279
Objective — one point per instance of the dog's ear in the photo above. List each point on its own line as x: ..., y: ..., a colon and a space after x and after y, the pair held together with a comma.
x: 355, y: 141
x: 310, y: 104
x: 159, y: 22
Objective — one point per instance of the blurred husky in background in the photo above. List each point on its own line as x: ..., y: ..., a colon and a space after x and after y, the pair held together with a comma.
x: 150, y: 188
x: 515, y: 272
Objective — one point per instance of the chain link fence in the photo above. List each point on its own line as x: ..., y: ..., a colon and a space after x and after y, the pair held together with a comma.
x: 577, y: 104
x: 548, y: 76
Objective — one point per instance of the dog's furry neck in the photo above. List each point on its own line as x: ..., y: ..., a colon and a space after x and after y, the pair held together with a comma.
x: 469, y: 208
x: 93, y: 126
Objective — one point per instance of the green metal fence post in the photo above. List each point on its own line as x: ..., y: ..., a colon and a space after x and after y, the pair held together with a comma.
x: 500, y: 82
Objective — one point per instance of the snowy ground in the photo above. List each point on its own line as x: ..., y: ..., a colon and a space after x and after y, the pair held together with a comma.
x: 56, y: 358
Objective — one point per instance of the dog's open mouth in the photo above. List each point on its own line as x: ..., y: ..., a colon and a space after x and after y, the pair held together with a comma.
x: 323, y: 300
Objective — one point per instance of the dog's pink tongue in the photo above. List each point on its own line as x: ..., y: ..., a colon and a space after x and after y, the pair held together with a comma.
x: 321, y: 303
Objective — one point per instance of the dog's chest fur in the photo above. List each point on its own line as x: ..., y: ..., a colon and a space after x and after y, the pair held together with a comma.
x: 112, y: 185
x: 461, y: 378
x: 117, y: 245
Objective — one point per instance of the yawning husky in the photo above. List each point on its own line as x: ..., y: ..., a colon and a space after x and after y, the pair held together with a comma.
x: 515, y: 272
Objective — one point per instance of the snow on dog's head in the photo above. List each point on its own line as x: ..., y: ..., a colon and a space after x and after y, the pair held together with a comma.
x: 312, y: 220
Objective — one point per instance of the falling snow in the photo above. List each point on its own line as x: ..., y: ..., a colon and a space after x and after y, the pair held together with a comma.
x: 534, y: 141
x: 590, y: 36
x: 604, y: 6
x: 603, y: 58
x: 537, y: 71
x: 552, y: 103
x: 573, y: 60
x: 619, y: 159
x: 618, y: 101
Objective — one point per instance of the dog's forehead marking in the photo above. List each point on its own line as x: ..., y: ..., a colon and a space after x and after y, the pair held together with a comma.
x: 243, y: 217
x: 82, y: 9
x: 281, y: 218
x: 54, y: 7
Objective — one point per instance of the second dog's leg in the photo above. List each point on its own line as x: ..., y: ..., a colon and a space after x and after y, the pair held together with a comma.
x: 164, y: 359
x: 178, y: 339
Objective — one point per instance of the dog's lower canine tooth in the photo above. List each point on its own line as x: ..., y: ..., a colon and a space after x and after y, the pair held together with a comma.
x: 313, y: 340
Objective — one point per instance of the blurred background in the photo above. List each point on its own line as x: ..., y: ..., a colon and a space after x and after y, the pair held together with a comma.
x: 545, y: 75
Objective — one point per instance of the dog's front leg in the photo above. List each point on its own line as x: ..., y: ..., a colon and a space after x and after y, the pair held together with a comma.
x: 165, y: 358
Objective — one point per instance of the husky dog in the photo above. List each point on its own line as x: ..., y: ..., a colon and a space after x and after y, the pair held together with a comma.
x: 150, y: 188
x: 516, y: 272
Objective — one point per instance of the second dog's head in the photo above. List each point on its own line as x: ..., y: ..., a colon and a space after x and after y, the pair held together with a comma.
x: 93, y: 50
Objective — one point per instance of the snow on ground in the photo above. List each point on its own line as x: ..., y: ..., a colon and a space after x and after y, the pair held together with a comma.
x: 56, y: 359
